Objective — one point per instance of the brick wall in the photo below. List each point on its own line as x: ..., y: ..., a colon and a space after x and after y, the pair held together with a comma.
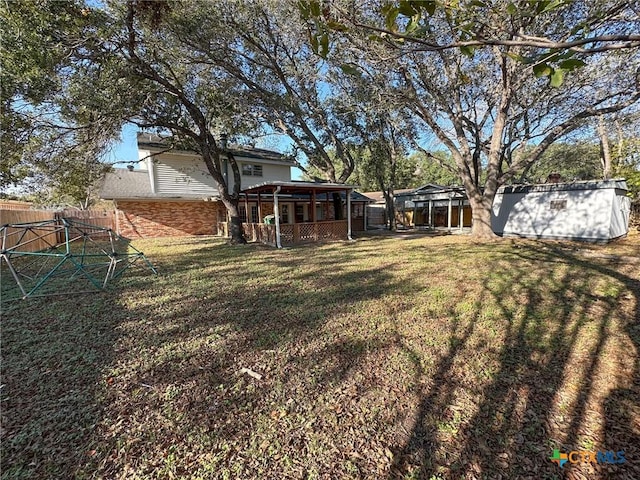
x: 166, y: 219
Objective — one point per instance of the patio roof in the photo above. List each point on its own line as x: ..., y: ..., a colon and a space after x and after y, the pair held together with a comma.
x: 298, y: 187
x: 278, y: 188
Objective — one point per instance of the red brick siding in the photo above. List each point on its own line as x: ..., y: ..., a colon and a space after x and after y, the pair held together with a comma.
x: 166, y: 219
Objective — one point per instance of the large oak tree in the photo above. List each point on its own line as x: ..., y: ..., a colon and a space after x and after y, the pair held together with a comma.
x: 496, y: 83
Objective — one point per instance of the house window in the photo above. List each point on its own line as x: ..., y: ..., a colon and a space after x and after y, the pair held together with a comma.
x: 254, y: 214
x: 249, y: 170
x: 284, y: 213
x: 242, y: 211
x: 558, y: 204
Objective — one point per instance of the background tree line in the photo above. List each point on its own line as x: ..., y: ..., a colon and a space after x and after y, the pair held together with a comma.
x: 382, y: 94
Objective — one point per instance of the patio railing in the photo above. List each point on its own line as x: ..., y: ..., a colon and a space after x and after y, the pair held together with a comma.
x: 291, y: 234
x: 313, y: 232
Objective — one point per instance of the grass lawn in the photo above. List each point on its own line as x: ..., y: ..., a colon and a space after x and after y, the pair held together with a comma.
x: 411, y: 358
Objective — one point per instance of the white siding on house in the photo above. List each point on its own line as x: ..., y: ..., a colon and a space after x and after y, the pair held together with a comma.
x: 270, y: 173
x: 183, y: 175
x: 178, y: 174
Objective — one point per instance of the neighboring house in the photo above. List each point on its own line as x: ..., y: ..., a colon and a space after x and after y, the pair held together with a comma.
x: 434, y: 206
x: 596, y: 210
x: 173, y: 193
x: 376, y: 210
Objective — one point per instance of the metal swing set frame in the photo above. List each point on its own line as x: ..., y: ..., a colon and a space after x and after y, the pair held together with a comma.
x: 36, y: 253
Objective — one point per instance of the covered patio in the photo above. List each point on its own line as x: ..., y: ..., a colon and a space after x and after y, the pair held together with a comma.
x: 434, y: 207
x: 300, y: 212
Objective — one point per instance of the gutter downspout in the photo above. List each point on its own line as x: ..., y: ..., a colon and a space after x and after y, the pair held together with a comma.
x: 152, y: 175
x: 276, y: 212
x: 349, y: 214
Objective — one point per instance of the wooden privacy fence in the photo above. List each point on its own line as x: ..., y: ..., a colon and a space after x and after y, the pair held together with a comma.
x: 38, y: 238
x: 99, y: 218
x: 33, y: 240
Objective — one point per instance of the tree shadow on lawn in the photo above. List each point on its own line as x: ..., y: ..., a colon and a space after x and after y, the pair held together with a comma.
x: 179, y: 376
x: 53, y: 352
x: 564, y: 378
x: 164, y: 388
x: 90, y: 380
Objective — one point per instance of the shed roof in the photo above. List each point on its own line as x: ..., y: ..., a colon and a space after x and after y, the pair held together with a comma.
x: 616, y: 183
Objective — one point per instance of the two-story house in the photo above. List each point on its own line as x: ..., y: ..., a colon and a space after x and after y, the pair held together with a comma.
x: 173, y: 193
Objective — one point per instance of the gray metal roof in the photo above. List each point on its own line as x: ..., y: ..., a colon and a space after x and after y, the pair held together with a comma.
x: 616, y: 183
x: 154, y: 142
x: 299, y: 187
x: 124, y: 184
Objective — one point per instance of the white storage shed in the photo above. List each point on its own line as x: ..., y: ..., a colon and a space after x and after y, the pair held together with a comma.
x: 596, y: 210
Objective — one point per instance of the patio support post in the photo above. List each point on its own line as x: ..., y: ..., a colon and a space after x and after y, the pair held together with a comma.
x: 276, y: 213
x: 415, y: 215
x: 460, y: 208
x: 449, y: 215
x: 246, y: 209
x: 326, y: 207
x: 259, y: 209
x: 312, y: 214
x: 430, y: 213
x: 364, y: 212
x: 348, y: 192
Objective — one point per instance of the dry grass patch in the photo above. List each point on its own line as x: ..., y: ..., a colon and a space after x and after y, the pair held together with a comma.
x: 404, y: 358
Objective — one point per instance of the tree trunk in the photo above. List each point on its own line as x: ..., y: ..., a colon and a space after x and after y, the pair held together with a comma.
x: 481, y: 217
x: 390, y: 210
x: 337, y: 206
x: 236, y: 234
x: 605, y: 151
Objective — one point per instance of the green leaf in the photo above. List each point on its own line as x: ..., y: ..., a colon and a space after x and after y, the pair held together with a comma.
x: 304, y: 9
x: 467, y: 50
x: 324, y: 45
x: 542, y: 70
x: 413, y: 24
x: 338, y: 27
x: 350, y: 69
x: 430, y: 7
x: 539, y: 4
x: 315, y: 45
x: 557, y: 77
x: 406, y: 8
x: 552, y: 5
x: 512, y: 9
x: 572, y: 64
x: 516, y: 57
x: 390, y: 19
x: 314, y: 7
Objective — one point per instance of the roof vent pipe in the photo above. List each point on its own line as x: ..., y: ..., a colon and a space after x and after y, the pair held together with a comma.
x: 130, y: 168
